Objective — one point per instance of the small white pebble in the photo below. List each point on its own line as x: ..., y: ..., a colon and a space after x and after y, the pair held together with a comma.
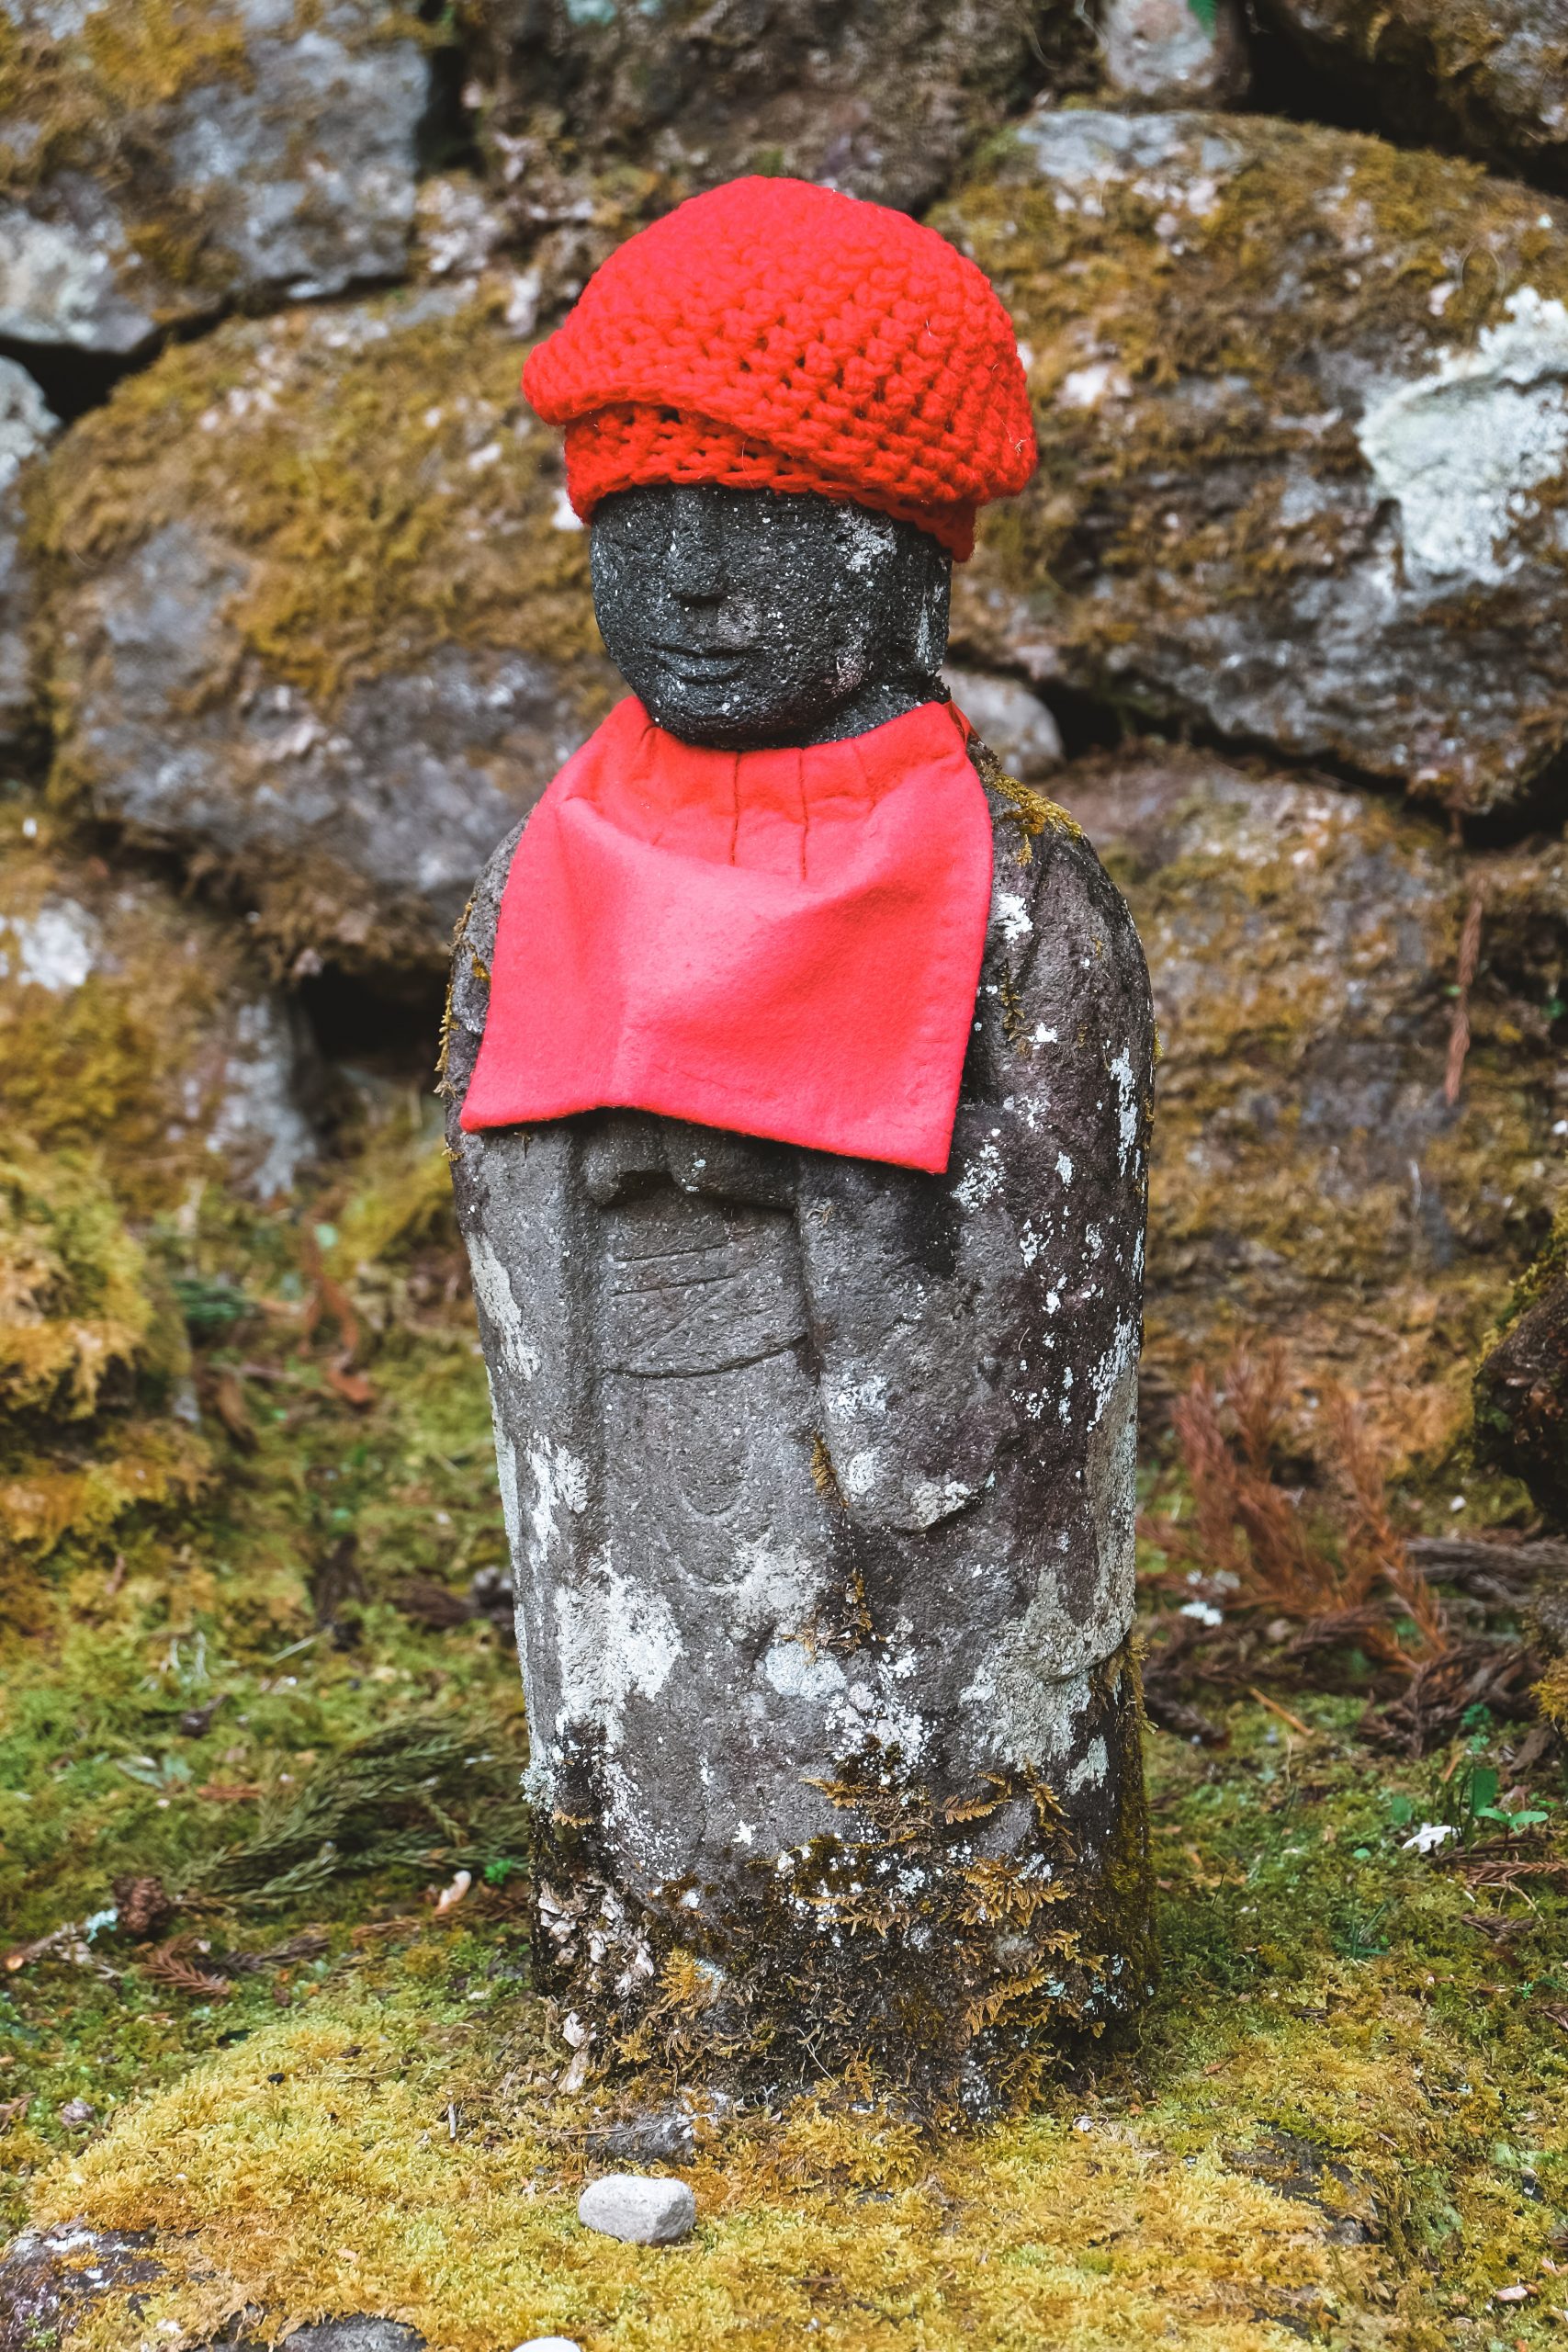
x: 550, y: 2344
x: 641, y: 2211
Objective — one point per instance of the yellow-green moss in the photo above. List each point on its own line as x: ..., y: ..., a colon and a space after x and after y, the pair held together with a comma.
x: 342, y: 2181
x: 1337, y: 2119
x: 131, y: 1062
x: 88, y: 1340
x: 375, y: 469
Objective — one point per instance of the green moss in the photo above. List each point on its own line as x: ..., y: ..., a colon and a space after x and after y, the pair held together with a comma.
x: 89, y: 1347
x: 132, y: 1063
x: 376, y: 472
x: 94, y: 97
x: 72, y: 101
x: 1343, y: 2114
x: 1436, y: 68
x: 1341, y: 2110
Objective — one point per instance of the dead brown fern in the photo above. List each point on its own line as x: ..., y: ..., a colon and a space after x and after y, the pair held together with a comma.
x: 1339, y: 1571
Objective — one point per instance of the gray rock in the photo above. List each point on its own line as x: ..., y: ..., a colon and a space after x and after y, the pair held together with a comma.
x: 341, y: 732
x: 200, y: 1071
x: 819, y: 1479
x: 27, y: 426
x: 270, y: 156
x: 1305, y: 448
x: 1310, y: 1180
x: 48, y: 2278
x: 1013, y: 721
x: 879, y: 97
x: 76, y: 2113
x: 357, y: 2334
x: 1493, y: 80
x: 641, y: 2211
x: 1163, y: 54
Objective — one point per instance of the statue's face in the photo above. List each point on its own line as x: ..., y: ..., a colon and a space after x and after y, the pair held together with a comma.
x: 749, y: 617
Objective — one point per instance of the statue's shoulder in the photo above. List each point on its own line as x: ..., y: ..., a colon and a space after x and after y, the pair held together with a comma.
x: 473, y: 953
x: 1045, y: 862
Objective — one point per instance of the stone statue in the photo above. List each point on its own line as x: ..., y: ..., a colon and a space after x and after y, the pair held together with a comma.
x: 818, y: 1465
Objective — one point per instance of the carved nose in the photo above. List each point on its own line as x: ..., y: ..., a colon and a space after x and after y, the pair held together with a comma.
x: 696, y: 552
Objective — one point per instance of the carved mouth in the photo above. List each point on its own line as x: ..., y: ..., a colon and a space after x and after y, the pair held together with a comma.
x: 700, y: 665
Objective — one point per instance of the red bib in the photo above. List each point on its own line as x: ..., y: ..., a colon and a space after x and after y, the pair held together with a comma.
x: 782, y: 943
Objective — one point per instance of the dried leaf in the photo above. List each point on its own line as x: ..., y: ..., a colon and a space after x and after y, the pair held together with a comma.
x: 228, y: 1403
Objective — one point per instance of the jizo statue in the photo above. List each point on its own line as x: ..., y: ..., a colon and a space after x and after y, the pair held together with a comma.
x: 800, y: 1067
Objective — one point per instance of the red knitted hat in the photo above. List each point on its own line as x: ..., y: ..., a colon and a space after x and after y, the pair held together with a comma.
x: 774, y: 334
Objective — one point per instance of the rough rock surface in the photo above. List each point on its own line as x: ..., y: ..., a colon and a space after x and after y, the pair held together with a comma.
x: 819, y: 1483
x: 26, y: 428
x: 357, y: 2334
x: 1304, y: 439
x: 879, y: 97
x: 160, y: 165
x: 52, y: 2279
x: 1013, y: 721
x: 48, y: 2278
x: 136, y: 1025
x: 641, y: 2211
x: 1309, y: 1179
x: 1165, y: 53
x: 1489, y: 75
x: 1521, y: 1399
x: 321, y: 617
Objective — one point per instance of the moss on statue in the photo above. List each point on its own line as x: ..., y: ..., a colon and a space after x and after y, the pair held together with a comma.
x: 905, y: 1953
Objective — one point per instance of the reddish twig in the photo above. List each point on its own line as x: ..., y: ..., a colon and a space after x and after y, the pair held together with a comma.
x: 1459, y: 1033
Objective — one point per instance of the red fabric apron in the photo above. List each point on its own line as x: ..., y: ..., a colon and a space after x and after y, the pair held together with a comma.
x: 782, y: 943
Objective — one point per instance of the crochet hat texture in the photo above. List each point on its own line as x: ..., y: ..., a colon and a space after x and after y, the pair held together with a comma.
x: 773, y: 334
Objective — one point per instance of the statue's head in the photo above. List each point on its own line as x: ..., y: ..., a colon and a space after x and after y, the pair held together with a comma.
x: 748, y: 617
x: 782, y: 409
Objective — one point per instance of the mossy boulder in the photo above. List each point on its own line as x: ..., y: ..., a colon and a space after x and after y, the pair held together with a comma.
x: 1310, y: 1180
x: 1521, y: 1385
x: 160, y: 160
x: 1170, y: 53
x: 1490, y: 76
x: 879, y: 97
x: 135, y: 1026
x: 1305, y: 443
x: 320, y: 615
x: 26, y: 426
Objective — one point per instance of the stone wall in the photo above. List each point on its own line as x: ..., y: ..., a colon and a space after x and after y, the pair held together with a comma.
x: 292, y: 605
